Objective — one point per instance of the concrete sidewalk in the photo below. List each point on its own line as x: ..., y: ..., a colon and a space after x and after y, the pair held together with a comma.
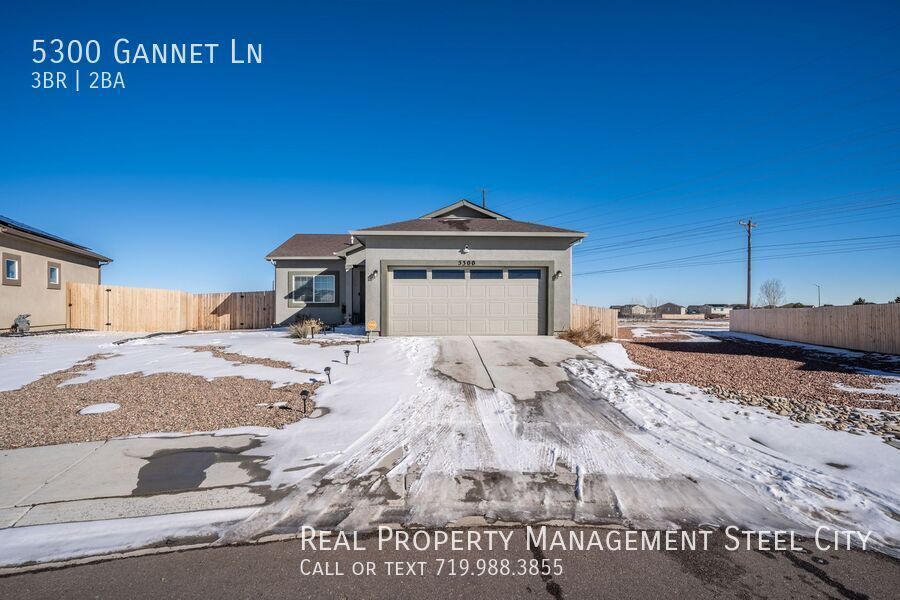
x: 129, y: 478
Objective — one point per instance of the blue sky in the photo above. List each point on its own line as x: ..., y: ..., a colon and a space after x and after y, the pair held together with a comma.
x: 652, y: 126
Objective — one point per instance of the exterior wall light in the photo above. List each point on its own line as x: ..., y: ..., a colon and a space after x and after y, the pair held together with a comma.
x: 465, y: 249
x: 373, y: 274
x: 557, y: 275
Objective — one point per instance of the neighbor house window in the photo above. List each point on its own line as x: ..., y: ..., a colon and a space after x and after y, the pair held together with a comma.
x: 315, y: 289
x: 53, y: 275
x: 12, y: 269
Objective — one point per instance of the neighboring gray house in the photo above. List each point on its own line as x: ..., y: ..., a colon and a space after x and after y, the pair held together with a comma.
x: 460, y: 270
x: 670, y: 308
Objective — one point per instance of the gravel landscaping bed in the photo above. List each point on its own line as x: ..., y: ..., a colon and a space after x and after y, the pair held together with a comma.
x: 43, y: 413
x: 789, y: 381
x: 243, y: 359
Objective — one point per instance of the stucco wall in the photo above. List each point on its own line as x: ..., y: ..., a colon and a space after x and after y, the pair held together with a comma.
x: 540, y: 251
x: 285, y: 312
x: 46, y: 306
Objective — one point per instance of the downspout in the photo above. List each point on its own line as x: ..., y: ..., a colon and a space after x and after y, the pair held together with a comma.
x: 274, y: 281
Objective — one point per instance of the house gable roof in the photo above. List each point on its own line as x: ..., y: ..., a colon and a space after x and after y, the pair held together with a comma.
x: 22, y: 230
x: 311, y: 245
x: 459, y: 226
x: 465, y: 209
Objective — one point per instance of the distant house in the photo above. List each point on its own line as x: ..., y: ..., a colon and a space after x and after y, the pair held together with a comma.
x: 670, y: 308
x: 717, y: 310
x: 36, y: 267
x: 696, y: 309
x: 631, y: 310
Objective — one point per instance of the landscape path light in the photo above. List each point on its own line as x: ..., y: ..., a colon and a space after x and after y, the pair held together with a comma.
x: 346, y: 357
x: 357, y: 346
x: 304, y: 395
x: 328, y: 372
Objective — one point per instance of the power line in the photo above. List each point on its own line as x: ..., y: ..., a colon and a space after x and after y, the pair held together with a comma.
x: 738, y: 260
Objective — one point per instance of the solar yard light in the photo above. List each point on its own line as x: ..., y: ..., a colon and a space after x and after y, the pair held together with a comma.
x: 346, y: 357
x: 304, y: 395
x: 357, y: 346
x: 328, y: 372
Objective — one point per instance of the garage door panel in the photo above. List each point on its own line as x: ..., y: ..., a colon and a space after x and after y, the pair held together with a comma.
x: 492, y: 303
x: 458, y: 309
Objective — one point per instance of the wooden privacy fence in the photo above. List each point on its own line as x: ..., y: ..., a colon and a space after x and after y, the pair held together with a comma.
x: 866, y: 327
x: 119, y: 308
x: 584, y: 316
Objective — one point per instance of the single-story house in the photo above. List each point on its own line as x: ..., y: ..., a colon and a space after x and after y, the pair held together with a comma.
x: 718, y: 310
x: 459, y: 270
x: 631, y: 310
x: 670, y: 308
x: 36, y: 267
x: 695, y: 309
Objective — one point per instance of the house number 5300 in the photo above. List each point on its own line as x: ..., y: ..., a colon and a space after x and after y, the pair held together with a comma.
x: 465, y: 263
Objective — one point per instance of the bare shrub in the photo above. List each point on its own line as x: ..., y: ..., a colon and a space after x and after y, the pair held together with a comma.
x: 585, y: 337
x: 304, y: 327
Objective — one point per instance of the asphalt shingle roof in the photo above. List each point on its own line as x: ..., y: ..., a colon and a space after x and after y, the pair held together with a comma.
x: 475, y: 225
x: 311, y: 244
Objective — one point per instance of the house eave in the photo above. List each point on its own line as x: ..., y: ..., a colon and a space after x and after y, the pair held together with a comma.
x: 103, y: 260
x: 277, y: 258
x: 563, y: 234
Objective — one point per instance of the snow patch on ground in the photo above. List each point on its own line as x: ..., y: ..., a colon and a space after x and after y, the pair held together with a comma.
x: 614, y: 353
x: 97, y: 409
x: 60, y: 541
x: 823, y: 349
x: 27, y: 359
x: 807, y: 475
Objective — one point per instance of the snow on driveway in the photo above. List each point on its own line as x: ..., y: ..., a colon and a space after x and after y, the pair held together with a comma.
x: 397, y: 442
x: 605, y: 447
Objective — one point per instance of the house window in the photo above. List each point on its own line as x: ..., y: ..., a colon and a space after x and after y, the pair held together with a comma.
x: 448, y: 274
x: 410, y: 274
x: 486, y: 274
x: 12, y: 269
x: 524, y: 274
x: 54, y: 275
x: 315, y: 289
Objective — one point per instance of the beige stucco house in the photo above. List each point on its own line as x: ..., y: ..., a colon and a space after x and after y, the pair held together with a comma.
x: 459, y: 270
x: 36, y: 267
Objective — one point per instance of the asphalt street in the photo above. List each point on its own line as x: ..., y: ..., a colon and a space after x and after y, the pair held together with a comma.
x: 284, y: 570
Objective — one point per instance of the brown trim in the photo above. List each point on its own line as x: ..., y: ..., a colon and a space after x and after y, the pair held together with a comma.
x: 18, y: 259
x: 58, y: 284
x: 312, y: 273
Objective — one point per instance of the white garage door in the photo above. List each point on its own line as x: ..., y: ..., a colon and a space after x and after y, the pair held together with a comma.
x: 437, y: 301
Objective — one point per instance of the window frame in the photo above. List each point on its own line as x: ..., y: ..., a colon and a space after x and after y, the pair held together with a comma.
x: 293, y: 302
x: 17, y: 281
x: 50, y: 284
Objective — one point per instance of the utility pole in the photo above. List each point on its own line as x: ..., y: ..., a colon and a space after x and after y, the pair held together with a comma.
x: 749, y: 225
x: 819, y: 288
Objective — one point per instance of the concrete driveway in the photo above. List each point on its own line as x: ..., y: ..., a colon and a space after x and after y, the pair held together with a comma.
x: 522, y: 366
x: 502, y: 432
